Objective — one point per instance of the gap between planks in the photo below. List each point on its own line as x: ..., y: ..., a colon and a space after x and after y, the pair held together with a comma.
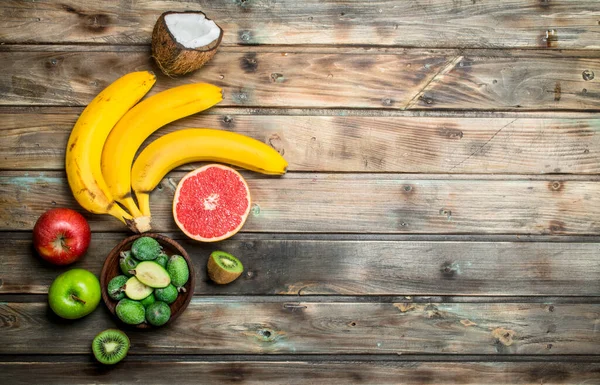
x: 338, y: 358
x: 291, y: 301
x: 331, y: 111
x: 317, y: 49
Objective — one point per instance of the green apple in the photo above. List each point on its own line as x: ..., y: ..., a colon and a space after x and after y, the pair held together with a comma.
x: 74, y: 294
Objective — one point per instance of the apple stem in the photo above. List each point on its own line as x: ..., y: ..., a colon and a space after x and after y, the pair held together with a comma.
x: 76, y: 298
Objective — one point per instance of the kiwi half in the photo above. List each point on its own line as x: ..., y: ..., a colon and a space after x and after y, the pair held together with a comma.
x: 223, y: 267
x: 110, y: 346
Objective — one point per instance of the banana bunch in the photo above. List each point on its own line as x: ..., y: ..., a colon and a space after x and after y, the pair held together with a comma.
x: 84, y: 148
x: 110, y: 131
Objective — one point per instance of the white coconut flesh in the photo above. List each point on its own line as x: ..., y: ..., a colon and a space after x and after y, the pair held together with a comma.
x: 192, y: 30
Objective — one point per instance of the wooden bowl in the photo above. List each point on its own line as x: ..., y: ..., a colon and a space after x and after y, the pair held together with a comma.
x: 111, y: 269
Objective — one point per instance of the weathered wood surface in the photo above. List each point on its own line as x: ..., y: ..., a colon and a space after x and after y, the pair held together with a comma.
x: 215, y: 326
x: 326, y: 267
x: 280, y: 79
x: 430, y: 23
x: 302, y: 372
x: 349, y: 203
x: 37, y: 139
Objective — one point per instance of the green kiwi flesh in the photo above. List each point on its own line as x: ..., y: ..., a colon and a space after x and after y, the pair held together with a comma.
x: 223, y: 267
x: 110, y: 346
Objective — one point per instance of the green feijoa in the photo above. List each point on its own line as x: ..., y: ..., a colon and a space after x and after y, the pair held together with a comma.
x: 162, y: 260
x: 149, y: 300
x: 131, y: 312
x: 146, y: 249
x: 178, y: 271
x: 115, y: 287
x: 127, y: 263
x: 167, y: 294
x: 158, y: 313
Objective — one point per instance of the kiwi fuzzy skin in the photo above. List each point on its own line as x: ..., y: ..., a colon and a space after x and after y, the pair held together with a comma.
x: 218, y: 274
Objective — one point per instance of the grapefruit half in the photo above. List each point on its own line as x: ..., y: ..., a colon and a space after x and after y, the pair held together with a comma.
x: 211, y: 203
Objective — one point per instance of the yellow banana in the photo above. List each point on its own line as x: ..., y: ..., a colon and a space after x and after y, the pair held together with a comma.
x: 199, y: 145
x: 139, y: 123
x: 84, y: 148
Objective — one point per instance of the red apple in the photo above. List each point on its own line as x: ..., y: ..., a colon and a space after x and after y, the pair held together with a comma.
x: 61, y: 236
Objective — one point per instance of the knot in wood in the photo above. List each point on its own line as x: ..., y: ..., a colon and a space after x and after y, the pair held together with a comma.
x: 587, y: 75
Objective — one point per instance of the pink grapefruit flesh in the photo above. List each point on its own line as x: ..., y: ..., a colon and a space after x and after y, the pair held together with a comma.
x: 211, y: 203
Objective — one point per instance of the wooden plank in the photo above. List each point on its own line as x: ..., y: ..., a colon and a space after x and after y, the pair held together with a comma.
x: 431, y: 23
x: 350, y: 203
x: 280, y: 79
x: 37, y: 139
x: 325, y: 372
x: 320, y: 267
x: 507, y: 83
x: 215, y: 326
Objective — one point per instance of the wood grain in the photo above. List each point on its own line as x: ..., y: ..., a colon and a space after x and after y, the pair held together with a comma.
x: 292, y: 373
x: 507, y: 83
x: 430, y: 23
x: 413, y: 79
x: 350, y: 203
x: 510, y: 145
x: 326, y: 267
x: 218, y: 326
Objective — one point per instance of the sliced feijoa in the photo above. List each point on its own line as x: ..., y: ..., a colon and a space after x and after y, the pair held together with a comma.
x: 151, y: 274
x: 136, y: 290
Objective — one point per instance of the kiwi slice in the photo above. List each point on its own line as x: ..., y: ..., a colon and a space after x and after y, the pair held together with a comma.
x: 136, y: 290
x: 115, y: 288
x: 110, y: 346
x: 151, y: 274
x: 146, y: 248
x: 223, y: 267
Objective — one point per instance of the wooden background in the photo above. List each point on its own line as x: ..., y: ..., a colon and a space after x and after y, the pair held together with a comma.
x: 439, y: 223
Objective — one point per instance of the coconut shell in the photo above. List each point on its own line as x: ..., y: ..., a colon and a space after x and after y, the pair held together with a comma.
x: 172, y: 57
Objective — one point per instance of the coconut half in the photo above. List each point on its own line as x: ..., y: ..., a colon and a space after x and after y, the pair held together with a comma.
x: 183, y: 42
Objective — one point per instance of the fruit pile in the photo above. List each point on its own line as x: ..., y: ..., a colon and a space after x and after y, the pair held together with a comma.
x: 101, y: 149
x: 211, y: 203
x: 151, y: 281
